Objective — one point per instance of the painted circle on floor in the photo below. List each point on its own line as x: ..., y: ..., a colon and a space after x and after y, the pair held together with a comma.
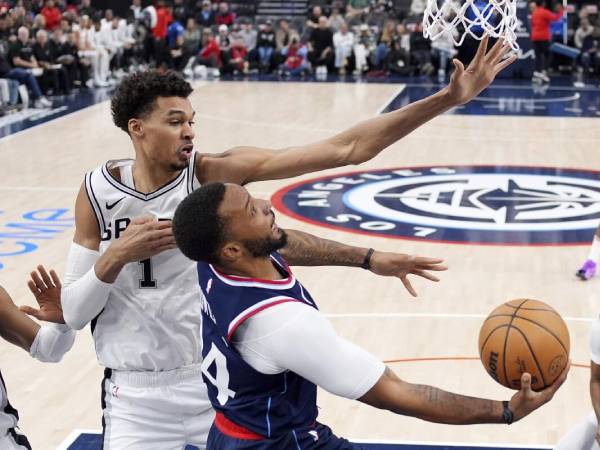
x: 503, y: 205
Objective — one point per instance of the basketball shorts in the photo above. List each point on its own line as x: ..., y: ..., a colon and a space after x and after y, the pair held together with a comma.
x: 13, y: 440
x: 155, y: 410
x: 317, y: 437
x: 581, y: 437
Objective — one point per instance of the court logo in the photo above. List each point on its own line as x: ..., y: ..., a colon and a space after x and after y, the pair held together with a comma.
x: 475, y: 204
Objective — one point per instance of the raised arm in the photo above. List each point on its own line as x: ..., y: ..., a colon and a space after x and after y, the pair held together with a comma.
x: 304, y: 249
x: 361, y: 142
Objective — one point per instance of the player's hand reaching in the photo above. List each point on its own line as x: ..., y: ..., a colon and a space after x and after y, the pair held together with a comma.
x: 527, y: 400
x: 466, y: 84
x: 46, y: 290
x: 144, y: 237
x: 400, y: 265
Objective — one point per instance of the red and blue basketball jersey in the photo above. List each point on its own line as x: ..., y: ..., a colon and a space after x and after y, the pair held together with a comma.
x: 267, y: 405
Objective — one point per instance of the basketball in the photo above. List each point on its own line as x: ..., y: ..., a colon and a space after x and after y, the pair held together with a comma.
x: 524, y: 335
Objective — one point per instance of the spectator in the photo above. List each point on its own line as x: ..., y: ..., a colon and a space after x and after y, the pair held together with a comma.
x: 177, y: 57
x: 136, y: 10
x: 249, y: 35
x: 343, y: 42
x: 225, y: 16
x: 417, y: 7
x: 39, y: 23
x: 86, y: 8
x: 191, y: 37
x: 377, y: 15
x: 336, y: 20
x: 420, y: 51
x: 210, y: 53
x: 585, y: 29
x: 22, y: 73
x: 313, y: 18
x: 206, y: 16
x: 385, y: 43
x: 397, y: 60
x: 163, y: 19
x: 52, y: 15
x: 97, y: 55
x: 590, y: 52
x: 266, y: 45
x: 296, y: 58
x: 443, y: 49
x: 66, y: 53
x: 356, y: 8
x: 365, y: 45
x: 55, y: 76
x: 238, y: 61
x: 541, y: 17
x: 321, y: 45
x: 174, y: 31
x: 283, y: 35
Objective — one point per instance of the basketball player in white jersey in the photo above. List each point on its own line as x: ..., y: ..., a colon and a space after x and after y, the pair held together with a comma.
x: 47, y: 343
x: 125, y: 276
x: 586, y: 434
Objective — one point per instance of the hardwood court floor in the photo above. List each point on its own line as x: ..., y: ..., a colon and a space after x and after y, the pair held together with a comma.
x: 43, y: 167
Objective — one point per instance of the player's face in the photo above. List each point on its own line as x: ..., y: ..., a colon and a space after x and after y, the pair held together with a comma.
x: 251, y: 222
x: 168, y: 133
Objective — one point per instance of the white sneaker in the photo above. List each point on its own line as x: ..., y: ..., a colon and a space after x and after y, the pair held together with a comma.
x: 43, y: 102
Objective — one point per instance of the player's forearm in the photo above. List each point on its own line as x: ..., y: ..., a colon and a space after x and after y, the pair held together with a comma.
x: 430, y: 403
x: 15, y: 326
x: 367, y: 139
x: 305, y: 249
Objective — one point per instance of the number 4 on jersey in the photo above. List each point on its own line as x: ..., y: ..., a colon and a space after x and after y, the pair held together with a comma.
x: 221, y: 378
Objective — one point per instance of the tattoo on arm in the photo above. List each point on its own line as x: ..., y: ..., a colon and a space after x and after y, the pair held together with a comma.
x: 305, y: 249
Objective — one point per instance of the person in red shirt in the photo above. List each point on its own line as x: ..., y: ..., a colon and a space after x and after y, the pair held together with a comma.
x: 225, y: 16
x: 163, y: 19
x: 52, y: 15
x: 541, y: 17
x: 210, y: 53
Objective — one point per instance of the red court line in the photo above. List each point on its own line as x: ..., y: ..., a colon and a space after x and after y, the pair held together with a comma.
x: 456, y: 358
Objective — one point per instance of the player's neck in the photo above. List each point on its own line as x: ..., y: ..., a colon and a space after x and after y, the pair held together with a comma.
x: 257, y: 268
x: 150, y: 177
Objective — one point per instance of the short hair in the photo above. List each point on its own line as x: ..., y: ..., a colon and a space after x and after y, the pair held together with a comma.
x: 198, y: 229
x: 136, y: 95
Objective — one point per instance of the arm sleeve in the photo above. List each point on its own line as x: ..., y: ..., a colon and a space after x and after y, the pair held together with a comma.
x: 52, y: 342
x: 294, y: 336
x: 83, y: 295
x: 595, y: 342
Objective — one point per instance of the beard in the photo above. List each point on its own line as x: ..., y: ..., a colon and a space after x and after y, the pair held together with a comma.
x: 178, y: 167
x: 261, y: 248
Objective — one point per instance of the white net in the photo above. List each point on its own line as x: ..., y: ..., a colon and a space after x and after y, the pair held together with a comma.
x: 457, y: 19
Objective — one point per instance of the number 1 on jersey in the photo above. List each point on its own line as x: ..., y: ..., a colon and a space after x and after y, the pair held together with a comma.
x: 147, y: 282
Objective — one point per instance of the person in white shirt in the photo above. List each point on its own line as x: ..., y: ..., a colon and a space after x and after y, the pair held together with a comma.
x: 343, y: 42
x: 46, y: 343
x: 98, y: 56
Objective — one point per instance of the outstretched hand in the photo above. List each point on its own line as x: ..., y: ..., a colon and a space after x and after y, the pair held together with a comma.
x: 527, y: 400
x: 46, y: 290
x: 400, y: 265
x: 466, y: 84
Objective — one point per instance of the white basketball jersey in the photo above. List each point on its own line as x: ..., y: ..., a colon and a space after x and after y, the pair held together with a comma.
x: 8, y: 415
x: 151, y: 320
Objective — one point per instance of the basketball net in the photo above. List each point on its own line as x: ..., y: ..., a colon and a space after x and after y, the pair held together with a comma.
x: 457, y: 19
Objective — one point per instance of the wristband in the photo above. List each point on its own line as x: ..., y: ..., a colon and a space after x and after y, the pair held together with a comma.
x: 507, y: 414
x: 367, y: 262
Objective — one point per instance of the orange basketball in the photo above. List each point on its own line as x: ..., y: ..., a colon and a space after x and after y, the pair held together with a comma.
x: 524, y: 336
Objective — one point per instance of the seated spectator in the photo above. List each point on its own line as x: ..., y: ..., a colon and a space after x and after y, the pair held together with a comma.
x: 224, y: 16
x: 224, y: 41
x: 238, y: 60
x: 397, y: 60
x: 283, y: 35
x: 191, y: 37
x: 136, y: 10
x: 321, y: 51
x: 420, y: 51
x: 313, y: 18
x: 177, y: 58
x: 65, y: 52
x: 266, y: 46
x: 443, y: 50
x: 343, y: 42
x: 296, y: 58
x: 55, y: 76
x: 384, y: 43
x: 356, y: 10
x: 249, y: 35
x: 206, y: 15
x: 377, y: 15
x: 364, y: 47
x: 23, y: 75
x: 583, y: 30
x: 52, y: 15
x: 122, y: 40
x: 590, y: 52
x: 86, y: 8
x: 175, y: 30
x: 210, y: 53
x: 96, y: 54
x: 336, y: 20
x: 39, y: 23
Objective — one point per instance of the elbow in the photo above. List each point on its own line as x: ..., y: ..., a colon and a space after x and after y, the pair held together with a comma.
x: 72, y: 319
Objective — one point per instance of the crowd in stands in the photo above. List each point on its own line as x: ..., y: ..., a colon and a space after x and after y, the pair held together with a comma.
x: 52, y: 47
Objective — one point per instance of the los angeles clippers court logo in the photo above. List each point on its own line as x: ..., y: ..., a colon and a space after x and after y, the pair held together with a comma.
x: 476, y: 204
